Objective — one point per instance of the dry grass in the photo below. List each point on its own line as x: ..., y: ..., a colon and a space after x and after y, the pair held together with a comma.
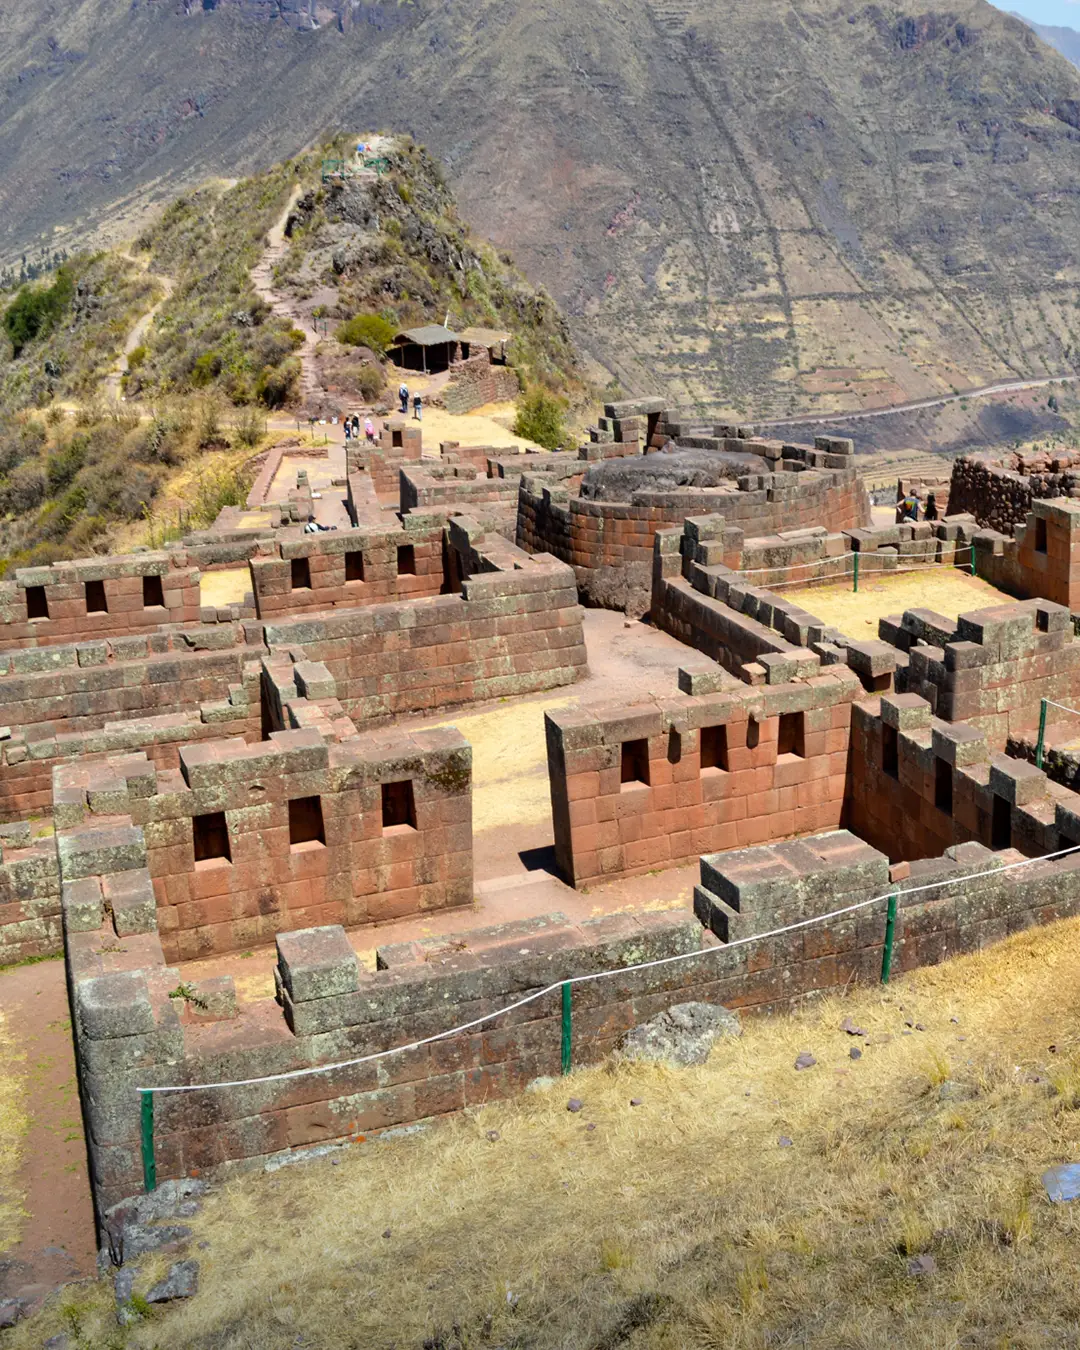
x: 945, y: 589
x: 682, y: 1222
x: 14, y: 1124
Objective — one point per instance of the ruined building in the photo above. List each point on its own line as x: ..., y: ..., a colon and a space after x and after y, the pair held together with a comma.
x: 191, y: 778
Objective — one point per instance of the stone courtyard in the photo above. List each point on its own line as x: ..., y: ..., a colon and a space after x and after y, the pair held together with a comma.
x: 287, y: 798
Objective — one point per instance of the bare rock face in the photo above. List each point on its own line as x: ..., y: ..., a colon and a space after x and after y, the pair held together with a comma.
x: 681, y: 1035
x: 616, y: 480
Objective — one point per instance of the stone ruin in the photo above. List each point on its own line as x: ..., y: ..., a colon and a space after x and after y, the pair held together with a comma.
x: 182, y: 780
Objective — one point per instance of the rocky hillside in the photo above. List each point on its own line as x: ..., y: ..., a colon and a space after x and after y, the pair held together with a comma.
x: 767, y: 206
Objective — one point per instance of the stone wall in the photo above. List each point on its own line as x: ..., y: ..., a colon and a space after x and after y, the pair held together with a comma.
x: 648, y: 786
x: 30, y: 919
x: 507, y: 632
x: 130, y: 1033
x: 999, y: 494
x: 244, y: 841
x: 476, y: 382
x: 997, y: 666
x: 918, y: 785
x: 97, y: 598
x: 349, y: 568
x: 606, y: 541
x: 1043, y: 557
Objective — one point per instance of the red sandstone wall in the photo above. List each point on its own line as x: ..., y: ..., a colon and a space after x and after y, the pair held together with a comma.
x: 122, y: 577
x: 611, y: 534
x: 272, y: 577
x: 606, y: 828
x: 507, y: 633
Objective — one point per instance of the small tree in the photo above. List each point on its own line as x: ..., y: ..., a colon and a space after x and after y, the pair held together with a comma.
x: 367, y: 330
x: 540, y: 419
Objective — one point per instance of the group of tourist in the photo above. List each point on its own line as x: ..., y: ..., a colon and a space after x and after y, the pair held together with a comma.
x: 417, y: 403
x: 908, y: 508
x: 352, y: 429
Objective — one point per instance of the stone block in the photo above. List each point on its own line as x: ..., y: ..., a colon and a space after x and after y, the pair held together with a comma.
x: 1016, y: 781
x: 317, y: 963
x: 115, y: 1005
x: 958, y: 744
x: 82, y: 905
x: 905, y: 712
x: 130, y: 896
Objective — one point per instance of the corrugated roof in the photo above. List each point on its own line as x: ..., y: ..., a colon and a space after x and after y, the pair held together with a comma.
x: 484, y: 337
x: 429, y: 336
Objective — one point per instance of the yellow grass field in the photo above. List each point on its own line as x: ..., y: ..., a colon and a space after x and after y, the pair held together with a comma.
x: 739, y: 1204
x: 945, y: 589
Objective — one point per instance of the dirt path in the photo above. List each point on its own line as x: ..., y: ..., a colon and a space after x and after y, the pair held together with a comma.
x: 985, y: 391
x: 135, y: 337
x: 262, y: 278
x: 55, y: 1242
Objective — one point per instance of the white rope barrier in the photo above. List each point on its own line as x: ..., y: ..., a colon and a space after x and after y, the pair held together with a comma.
x: 572, y: 980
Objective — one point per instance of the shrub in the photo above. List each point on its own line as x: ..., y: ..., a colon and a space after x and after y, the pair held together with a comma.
x: 540, y: 419
x: 214, y: 490
x: 367, y: 330
x: 136, y: 357
x: 371, y: 382
x: 250, y: 426
x: 23, y: 490
x: 64, y: 463
x: 275, y: 384
x: 36, y: 310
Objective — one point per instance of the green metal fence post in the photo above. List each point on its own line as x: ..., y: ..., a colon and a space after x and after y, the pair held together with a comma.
x: 566, y: 1028
x: 855, y: 570
x: 149, y: 1165
x: 890, y: 929
x: 974, y: 573
x: 1042, y: 734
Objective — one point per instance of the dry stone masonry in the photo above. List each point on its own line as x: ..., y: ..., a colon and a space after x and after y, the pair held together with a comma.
x: 181, y: 781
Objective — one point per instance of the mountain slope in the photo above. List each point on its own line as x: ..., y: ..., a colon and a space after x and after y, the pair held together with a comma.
x: 1062, y: 39
x: 755, y: 206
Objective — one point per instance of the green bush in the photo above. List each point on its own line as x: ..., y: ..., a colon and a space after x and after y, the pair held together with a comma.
x: 36, y: 310
x: 367, y: 330
x: 275, y: 385
x: 540, y: 419
x: 136, y: 356
x: 371, y: 382
x: 64, y: 463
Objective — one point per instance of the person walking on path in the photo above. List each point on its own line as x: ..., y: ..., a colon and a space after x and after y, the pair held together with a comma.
x: 369, y: 431
x: 348, y: 431
x: 403, y: 394
x: 417, y: 408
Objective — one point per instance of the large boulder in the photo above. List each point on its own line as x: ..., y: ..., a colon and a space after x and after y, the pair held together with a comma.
x: 681, y: 1035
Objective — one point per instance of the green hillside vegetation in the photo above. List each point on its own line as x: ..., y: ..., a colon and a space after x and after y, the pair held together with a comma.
x: 214, y: 332
x: 68, y: 482
x: 385, y: 254
x: 62, y: 334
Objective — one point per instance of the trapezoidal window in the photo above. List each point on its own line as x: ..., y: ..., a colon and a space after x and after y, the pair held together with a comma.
x: 211, y: 837
x: 1040, y: 535
x: 1001, y: 824
x: 395, y: 438
x: 37, y: 603
x: 791, y: 737
x: 890, y: 751
x: 406, y: 560
x: 153, y: 593
x: 714, y: 753
x: 943, y: 783
x: 398, y: 805
x: 95, y: 598
x: 354, y: 566
x: 635, y: 763
x: 301, y: 574
x: 305, y: 821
